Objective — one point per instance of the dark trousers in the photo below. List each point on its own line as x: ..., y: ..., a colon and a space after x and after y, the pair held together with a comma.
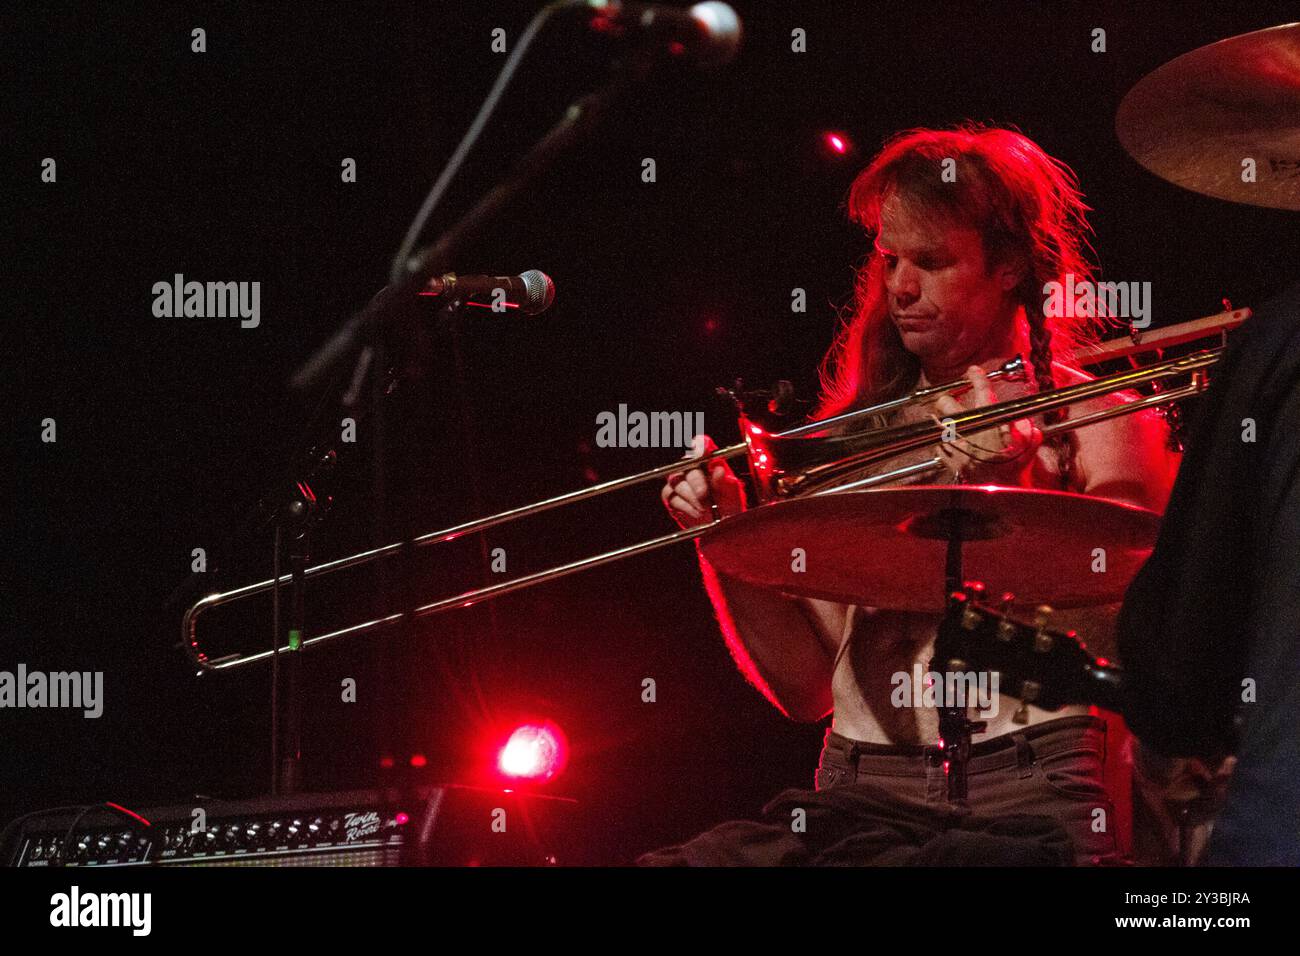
x: 1051, y: 769
x: 1035, y: 798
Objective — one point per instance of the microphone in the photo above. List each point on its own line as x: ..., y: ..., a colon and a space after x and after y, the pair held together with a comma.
x: 532, y: 292
x: 709, y: 32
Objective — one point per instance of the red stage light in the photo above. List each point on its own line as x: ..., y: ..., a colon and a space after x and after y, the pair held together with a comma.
x: 838, y: 143
x: 534, y: 752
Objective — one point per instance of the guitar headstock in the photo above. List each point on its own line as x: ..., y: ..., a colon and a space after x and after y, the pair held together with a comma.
x: 1037, y: 663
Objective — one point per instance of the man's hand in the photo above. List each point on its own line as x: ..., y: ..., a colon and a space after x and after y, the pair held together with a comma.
x: 1182, y: 795
x: 687, y: 494
x: 1001, y: 456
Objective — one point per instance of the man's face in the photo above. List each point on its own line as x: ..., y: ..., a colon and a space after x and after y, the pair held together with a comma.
x: 946, y: 307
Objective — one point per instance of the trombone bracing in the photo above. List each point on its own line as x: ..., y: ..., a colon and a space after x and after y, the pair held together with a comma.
x: 809, y: 465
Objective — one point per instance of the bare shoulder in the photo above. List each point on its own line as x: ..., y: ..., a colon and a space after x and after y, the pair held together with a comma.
x: 1126, y: 457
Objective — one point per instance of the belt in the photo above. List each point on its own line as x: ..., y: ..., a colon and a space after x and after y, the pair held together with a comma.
x: 1082, y: 732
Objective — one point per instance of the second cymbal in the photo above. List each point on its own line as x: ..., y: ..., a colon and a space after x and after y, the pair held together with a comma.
x: 1199, y: 118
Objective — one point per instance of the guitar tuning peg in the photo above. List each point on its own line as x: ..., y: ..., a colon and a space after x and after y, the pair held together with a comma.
x: 1006, y: 630
x: 957, y: 665
x: 971, y: 618
x: 1042, y: 640
x: 1029, y: 691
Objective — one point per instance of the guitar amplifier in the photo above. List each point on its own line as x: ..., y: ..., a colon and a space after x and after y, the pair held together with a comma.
x: 440, y: 826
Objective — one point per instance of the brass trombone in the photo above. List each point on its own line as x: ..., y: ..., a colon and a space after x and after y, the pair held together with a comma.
x: 809, y: 464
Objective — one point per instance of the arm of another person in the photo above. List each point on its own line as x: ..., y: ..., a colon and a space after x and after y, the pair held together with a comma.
x: 1128, y: 459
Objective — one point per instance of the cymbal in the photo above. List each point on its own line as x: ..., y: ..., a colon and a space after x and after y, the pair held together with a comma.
x: 1196, y: 119
x: 887, y: 547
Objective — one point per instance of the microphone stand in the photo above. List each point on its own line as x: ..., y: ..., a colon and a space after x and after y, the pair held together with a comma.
x: 369, y: 326
x: 955, y: 725
x: 408, y: 278
x: 294, y: 519
x: 363, y: 397
x: 291, y: 758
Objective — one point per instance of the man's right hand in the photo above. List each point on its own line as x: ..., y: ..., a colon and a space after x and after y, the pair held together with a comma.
x: 686, y: 494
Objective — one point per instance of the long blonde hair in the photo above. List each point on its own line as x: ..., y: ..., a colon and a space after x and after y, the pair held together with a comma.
x: 1027, y: 208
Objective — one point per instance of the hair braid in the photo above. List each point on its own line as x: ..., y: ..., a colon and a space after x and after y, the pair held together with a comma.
x: 1040, y: 358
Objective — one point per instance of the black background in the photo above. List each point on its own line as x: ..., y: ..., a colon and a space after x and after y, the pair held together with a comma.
x: 225, y: 165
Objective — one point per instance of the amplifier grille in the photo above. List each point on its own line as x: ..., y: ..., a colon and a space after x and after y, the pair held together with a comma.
x: 451, y: 825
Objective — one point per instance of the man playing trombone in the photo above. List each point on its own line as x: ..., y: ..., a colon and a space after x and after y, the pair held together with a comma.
x: 968, y: 227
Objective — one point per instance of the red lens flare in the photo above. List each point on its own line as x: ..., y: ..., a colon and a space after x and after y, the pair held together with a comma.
x: 534, y: 752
